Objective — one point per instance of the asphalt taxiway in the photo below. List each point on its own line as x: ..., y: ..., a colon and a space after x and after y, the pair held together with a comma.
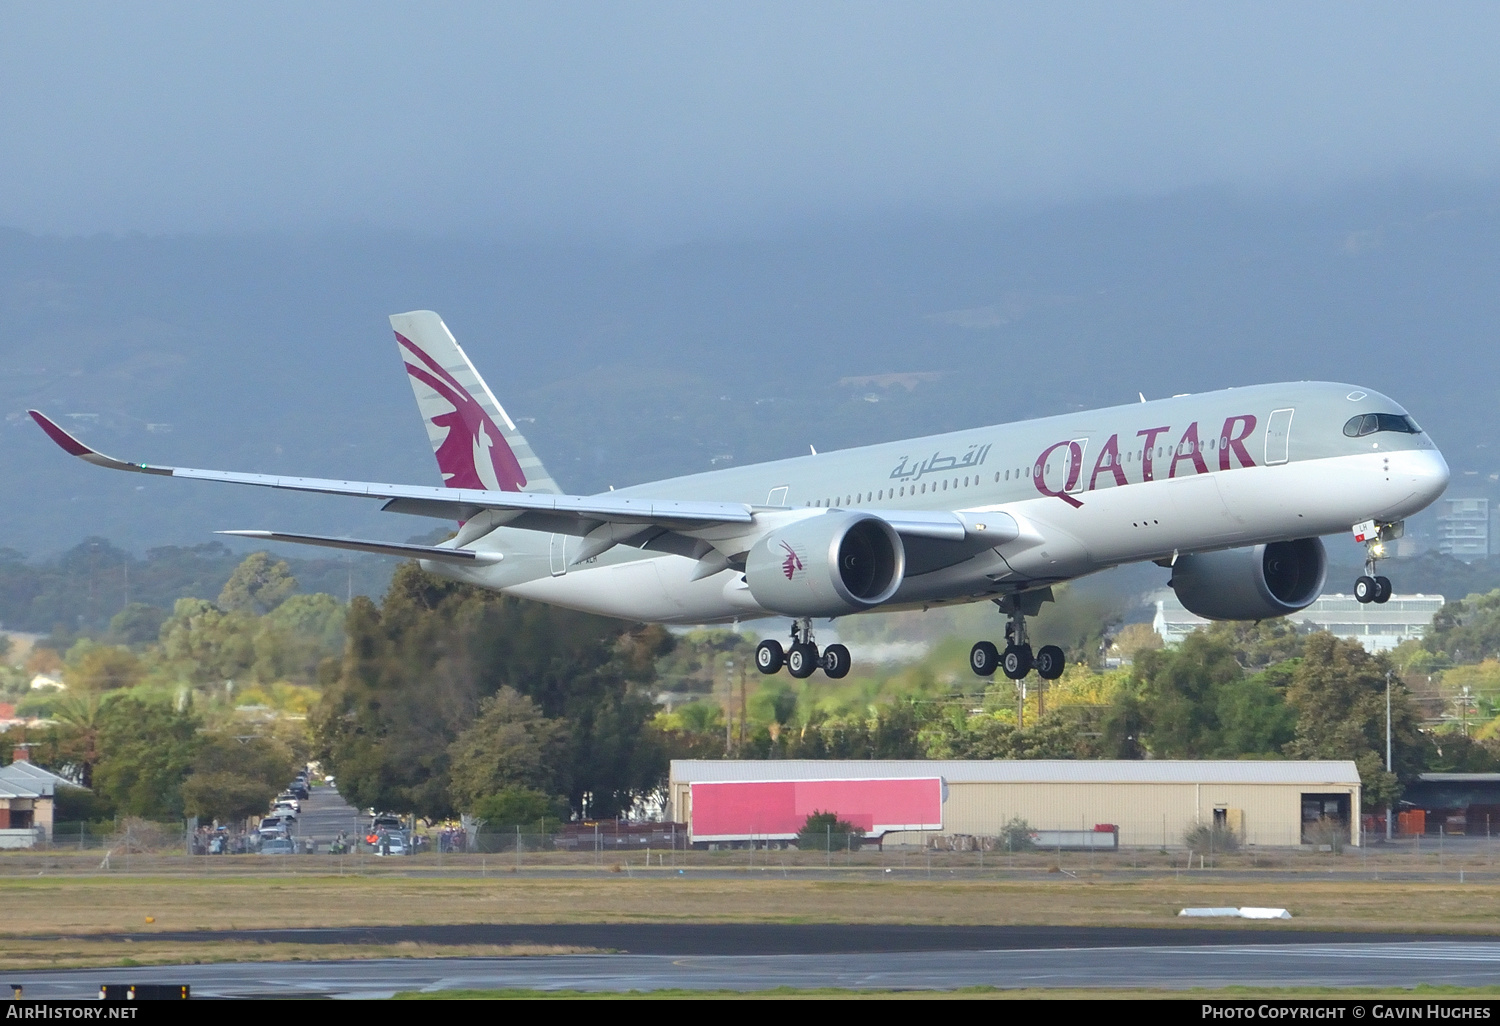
x: 1196, y: 959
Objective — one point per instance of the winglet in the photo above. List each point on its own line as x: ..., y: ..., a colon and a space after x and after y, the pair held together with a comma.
x: 73, y: 447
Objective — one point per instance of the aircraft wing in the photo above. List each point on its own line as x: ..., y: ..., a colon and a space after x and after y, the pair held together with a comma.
x: 688, y: 528
x: 448, y: 503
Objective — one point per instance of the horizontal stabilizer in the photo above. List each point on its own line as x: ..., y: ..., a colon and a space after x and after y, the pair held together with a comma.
x: 463, y: 557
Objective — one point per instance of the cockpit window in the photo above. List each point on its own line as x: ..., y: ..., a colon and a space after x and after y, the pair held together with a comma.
x: 1369, y: 423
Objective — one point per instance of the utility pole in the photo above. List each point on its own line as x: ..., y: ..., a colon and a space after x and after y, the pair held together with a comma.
x: 1388, y: 768
x: 728, y: 711
x: 741, y: 748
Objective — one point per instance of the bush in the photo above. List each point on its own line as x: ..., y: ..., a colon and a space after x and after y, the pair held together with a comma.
x: 1208, y: 839
x: 1016, y: 836
x: 1328, y: 832
x: 824, y: 831
x: 518, y: 806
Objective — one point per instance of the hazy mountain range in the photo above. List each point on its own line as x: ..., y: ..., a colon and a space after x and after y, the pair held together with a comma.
x: 272, y: 353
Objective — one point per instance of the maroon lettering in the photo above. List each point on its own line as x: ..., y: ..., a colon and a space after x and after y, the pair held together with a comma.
x: 1229, y: 440
x: 1109, y: 459
x: 1189, y: 449
x: 1150, y: 436
x: 1075, y: 470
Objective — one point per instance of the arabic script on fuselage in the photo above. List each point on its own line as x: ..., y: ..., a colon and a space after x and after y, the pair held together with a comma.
x: 937, y: 463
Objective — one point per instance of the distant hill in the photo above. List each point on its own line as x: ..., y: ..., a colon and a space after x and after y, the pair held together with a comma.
x: 273, y: 353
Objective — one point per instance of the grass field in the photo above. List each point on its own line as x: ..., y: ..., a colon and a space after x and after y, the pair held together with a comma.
x: 42, y: 906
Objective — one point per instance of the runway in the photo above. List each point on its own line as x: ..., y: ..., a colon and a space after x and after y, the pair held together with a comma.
x: 1170, y: 967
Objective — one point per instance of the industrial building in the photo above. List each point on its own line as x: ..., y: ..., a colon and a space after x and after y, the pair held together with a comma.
x: 1150, y: 803
x: 1378, y: 627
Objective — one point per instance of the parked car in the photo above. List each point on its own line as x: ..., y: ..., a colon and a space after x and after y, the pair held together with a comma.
x: 395, y: 844
x: 290, y: 800
x: 279, y: 846
x: 274, y: 826
x: 385, y: 821
x: 284, y: 810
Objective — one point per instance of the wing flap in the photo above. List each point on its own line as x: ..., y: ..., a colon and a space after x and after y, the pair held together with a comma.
x: 465, y: 557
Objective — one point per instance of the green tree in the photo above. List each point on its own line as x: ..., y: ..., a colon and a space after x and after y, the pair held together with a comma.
x: 146, y: 750
x: 518, y: 807
x: 1338, y: 692
x: 1466, y: 631
x: 98, y: 668
x: 206, y: 644
x: 1178, y: 692
x: 257, y: 585
x: 234, y: 778
x: 78, y: 723
x: 510, y: 745
x: 1257, y: 644
x: 417, y: 667
x: 293, y: 640
x: 137, y: 624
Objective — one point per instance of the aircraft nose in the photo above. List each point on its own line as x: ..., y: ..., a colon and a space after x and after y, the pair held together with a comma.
x: 1431, y: 474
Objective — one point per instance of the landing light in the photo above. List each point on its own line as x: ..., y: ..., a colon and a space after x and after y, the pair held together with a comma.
x: 1377, y: 550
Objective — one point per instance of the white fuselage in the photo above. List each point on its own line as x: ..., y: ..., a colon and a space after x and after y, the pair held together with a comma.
x: 1089, y: 491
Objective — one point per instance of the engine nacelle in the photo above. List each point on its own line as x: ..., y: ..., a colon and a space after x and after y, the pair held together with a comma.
x: 1254, y: 583
x: 826, y: 565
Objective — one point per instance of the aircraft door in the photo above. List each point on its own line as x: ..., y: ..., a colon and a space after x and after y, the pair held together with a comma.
x: 1278, y: 436
x: 1064, y: 470
x: 559, y: 555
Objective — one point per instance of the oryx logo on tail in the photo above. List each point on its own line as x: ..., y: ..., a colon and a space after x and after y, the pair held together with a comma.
x: 474, y: 453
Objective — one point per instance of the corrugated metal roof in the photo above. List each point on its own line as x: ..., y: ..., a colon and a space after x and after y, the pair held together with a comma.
x: 1025, y: 771
x: 23, y: 780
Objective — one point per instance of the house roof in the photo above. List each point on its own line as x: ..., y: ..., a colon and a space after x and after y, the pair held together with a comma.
x: 24, y: 780
x: 1026, y: 771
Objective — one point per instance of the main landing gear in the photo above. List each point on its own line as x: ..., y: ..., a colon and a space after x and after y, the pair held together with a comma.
x: 1017, y: 660
x: 802, y: 659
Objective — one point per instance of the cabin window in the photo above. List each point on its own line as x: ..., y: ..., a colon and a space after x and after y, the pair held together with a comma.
x: 924, y: 489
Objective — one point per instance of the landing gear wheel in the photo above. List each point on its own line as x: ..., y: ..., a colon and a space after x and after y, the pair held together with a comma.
x: 836, y: 661
x: 769, y: 658
x: 1016, y: 662
x: 984, y: 659
x: 1365, y: 589
x: 1050, y: 662
x: 1382, y: 589
x: 802, y: 660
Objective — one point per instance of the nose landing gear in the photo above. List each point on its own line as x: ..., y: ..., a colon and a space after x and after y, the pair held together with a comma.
x: 1018, y: 659
x: 802, y: 658
x: 1369, y: 587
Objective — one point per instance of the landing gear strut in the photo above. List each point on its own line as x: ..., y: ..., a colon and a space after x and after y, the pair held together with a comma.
x: 802, y: 658
x: 1369, y: 587
x: 1018, y: 659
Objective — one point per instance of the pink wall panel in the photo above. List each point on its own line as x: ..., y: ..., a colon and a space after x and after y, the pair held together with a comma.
x: 778, y: 808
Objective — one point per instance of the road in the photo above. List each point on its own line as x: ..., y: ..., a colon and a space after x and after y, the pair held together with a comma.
x: 1175, y: 967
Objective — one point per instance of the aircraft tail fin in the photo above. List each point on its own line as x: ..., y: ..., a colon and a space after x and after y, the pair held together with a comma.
x: 476, y: 444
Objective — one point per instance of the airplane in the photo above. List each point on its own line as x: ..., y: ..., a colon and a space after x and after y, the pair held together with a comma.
x: 1218, y: 487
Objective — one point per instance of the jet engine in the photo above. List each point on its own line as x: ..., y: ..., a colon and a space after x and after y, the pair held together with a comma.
x: 827, y: 565
x: 1253, y: 583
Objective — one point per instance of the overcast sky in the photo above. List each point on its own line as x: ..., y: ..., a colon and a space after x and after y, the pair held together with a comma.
x: 651, y: 121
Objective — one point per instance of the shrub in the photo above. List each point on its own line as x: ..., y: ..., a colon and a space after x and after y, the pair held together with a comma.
x: 1328, y: 832
x: 824, y: 831
x: 1207, y: 839
x: 1016, y: 836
